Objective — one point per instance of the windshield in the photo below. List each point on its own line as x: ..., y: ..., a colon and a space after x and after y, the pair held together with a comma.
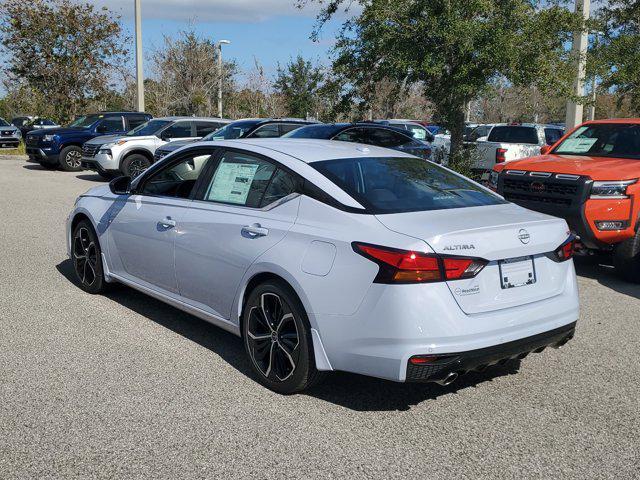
x: 85, y: 121
x: 149, y: 128
x: 620, y: 140
x: 3, y: 123
x: 232, y: 130
x: 395, y: 185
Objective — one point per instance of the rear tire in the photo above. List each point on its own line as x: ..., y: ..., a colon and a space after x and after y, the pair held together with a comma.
x: 135, y: 164
x: 626, y: 259
x: 70, y: 158
x: 277, y: 338
x: 87, y: 258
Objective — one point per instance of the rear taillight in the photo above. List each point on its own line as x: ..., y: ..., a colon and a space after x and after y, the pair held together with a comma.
x: 501, y: 155
x: 404, y: 266
x: 565, y: 251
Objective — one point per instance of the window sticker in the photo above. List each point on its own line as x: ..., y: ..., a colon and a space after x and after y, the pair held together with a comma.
x: 576, y: 145
x: 232, y: 183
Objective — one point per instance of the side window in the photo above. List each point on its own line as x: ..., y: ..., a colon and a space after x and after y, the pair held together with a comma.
x: 552, y: 135
x: 135, y: 121
x: 111, y: 125
x: 240, y: 179
x: 357, y: 135
x: 270, y: 130
x: 177, y: 130
x: 386, y: 138
x: 289, y: 127
x: 205, y: 128
x: 282, y: 184
x: 178, y: 179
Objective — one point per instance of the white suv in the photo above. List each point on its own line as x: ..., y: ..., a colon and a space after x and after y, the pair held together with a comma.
x: 132, y: 153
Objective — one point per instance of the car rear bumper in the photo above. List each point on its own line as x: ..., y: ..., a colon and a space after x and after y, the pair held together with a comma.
x: 395, y: 323
x: 440, y: 368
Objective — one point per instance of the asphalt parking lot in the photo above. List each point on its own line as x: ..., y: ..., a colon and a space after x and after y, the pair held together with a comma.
x: 123, y: 386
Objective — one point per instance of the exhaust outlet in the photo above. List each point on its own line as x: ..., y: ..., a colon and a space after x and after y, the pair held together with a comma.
x: 448, y: 380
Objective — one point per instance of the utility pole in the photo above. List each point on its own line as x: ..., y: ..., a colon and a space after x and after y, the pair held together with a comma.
x: 580, y: 43
x: 591, y: 112
x: 139, y: 74
x: 220, y: 43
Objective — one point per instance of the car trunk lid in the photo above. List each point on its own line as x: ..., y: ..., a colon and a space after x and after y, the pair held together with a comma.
x: 500, y: 234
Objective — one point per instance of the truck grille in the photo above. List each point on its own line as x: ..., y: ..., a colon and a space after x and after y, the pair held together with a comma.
x: 32, y: 141
x: 6, y: 133
x: 542, y: 189
x: 90, y: 149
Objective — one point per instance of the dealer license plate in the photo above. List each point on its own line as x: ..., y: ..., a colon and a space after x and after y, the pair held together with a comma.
x: 517, y: 272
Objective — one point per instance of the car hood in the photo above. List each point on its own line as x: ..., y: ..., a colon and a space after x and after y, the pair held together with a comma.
x: 57, y: 131
x: 598, y: 168
x: 172, y: 146
x: 10, y: 128
x: 101, y: 140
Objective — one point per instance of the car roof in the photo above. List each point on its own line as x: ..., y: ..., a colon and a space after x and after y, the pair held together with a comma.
x: 615, y: 120
x: 308, y: 150
x: 173, y: 118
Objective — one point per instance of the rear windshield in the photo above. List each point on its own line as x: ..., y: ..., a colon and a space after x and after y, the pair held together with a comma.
x: 620, y: 140
x: 395, y: 185
x: 514, y: 134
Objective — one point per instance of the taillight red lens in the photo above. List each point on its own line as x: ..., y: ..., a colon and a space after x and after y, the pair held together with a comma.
x: 501, y: 155
x: 563, y: 252
x: 402, y: 266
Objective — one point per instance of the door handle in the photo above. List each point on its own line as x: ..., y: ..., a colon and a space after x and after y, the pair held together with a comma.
x: 255, y: 231
x: 167, y: 223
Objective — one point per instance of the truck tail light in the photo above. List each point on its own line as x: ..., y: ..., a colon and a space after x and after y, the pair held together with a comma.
x: 501, y: 155
x: 404, y: 266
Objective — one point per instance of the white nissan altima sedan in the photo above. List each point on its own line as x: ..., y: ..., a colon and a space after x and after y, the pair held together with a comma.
x: 327, y: 255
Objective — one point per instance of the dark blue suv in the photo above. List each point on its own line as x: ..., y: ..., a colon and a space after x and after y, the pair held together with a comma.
x: 62, y: 147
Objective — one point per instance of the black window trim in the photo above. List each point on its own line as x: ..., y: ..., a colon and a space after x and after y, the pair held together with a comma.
x: 192, y: 152
x: 107, y: 117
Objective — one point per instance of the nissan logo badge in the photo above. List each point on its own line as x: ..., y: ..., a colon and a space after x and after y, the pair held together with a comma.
x: 524, y: 236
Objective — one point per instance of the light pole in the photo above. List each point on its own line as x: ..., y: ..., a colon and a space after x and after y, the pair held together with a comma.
x: 139, y: 74
x: 220, y: 43
x: 580, y: 43
x: 591, y: 112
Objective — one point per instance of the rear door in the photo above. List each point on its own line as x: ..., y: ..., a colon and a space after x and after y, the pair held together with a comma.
x: 247, y: 204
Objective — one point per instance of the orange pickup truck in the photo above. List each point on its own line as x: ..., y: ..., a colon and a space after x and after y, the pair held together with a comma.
x: 590, y: 177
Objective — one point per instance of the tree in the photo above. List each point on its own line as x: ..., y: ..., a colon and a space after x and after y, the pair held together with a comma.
x: 299, y: 83
x: 65, y: 51
x: 455, y: 49
x: 617, y: 57
x: 186, y: 76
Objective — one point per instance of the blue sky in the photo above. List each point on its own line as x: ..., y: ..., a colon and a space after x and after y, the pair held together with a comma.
x: 271, y: 30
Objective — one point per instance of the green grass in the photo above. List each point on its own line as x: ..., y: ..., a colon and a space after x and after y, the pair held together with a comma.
x: 14, y: 151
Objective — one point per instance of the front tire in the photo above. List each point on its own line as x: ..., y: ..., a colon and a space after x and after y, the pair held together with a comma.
x: 277, y: 339
x: 70, y: 158
x: 626, y: 259
x: 135, y: 164
x: 87, y: 258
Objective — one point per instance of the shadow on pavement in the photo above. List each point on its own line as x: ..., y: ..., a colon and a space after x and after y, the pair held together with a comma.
x: 600, y: 268
x: 356, y: 392
x: 92, y: 178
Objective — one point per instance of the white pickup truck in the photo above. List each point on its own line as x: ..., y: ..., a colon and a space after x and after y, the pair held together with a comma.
x: 513, y: 142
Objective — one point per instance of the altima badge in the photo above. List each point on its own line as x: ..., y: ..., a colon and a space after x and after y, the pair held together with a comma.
x: 524, y: 236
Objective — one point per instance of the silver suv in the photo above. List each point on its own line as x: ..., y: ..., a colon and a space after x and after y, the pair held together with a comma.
x: 132, y: 153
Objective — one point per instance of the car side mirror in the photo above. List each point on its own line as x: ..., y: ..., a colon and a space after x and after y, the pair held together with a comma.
x: 545, y: 149
x: 120, y: 185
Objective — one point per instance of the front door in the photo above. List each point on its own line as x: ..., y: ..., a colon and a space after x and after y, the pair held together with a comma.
x: 247, y: 204
x: 143, y: 229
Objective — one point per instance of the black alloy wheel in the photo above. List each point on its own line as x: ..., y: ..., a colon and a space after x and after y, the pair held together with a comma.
x: 87, y: 262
